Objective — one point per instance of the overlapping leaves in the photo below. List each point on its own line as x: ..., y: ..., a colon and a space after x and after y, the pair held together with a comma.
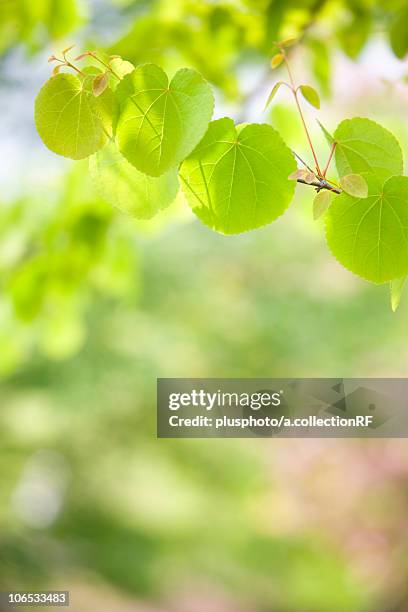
x: 237, y: 178
x: 366, y: 226
x: 161, y: 123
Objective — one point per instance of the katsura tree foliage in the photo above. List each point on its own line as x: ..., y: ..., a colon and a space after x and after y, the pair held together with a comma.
x: 146, y: 134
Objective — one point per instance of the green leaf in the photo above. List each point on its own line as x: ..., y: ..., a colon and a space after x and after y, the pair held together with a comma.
x: 237, y: 179
x: 365, y: 146
x: 399, y: 34
x: 107, y: 104
x: 161, y: 123
x: 273, y: 93
x: 321, y: 203
x: 369, y: 236
x: 355, y: 185
x: 396, y: 288
x: 310, y: 95
x: 328, y: 136
x: 67, y: 118
x: 121, y: 67
x: 100, y: 83
x: 129, y: 190
x: 276, y: 60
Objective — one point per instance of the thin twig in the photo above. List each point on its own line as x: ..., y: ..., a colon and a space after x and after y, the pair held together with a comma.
x: 98, y: 59
x: 302, y: 161
x: 333, y: 148
x: 320, y: 184
x: 295, y: 95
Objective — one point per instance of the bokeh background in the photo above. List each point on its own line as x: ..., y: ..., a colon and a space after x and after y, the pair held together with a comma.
x: 94, y: 306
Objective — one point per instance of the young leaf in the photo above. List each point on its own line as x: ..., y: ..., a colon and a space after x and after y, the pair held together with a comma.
x: 365, y: 146
x: 99, y: 84
x: 276, y: 60
x: 368, y: 235
x: 161, y: 123
x: 82, y: 56
x: 304, y: 175
x: 121, y: 67
x: 237, y: 180
x: 355, y: 185
x: 310, y: 95
x: 67, y: 118
x: 288, y: 42
x: 273, y: 93
x: 129, y: 190
x: 65, y: 51
x: 321, y: 203
x: 328, y: 136
x: 396, y: 288
x: 107, y: 105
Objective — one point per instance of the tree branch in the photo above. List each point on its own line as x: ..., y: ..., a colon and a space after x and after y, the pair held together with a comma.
x: 320, y: 185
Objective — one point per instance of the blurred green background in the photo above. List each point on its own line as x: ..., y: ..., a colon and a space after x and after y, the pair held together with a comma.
x: 94, y: 306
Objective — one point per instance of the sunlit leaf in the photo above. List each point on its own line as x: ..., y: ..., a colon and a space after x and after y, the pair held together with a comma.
x: 124, y: 187
x: 365, y: 146
x: 276, y: 60
x: 121, y: 67
x: 273, y: 93
x: 67, y: 119
x: 161, y: 123
x: 321, y: 203
x: 355, y: 185
x: 310, y: 94
x: 237, y: 179
x: 368, y: 235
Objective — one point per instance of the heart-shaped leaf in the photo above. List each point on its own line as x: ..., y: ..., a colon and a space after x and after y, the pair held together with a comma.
x: 369, y: 235
x: 310, y: 95
x: 124, y: 187
x: 237, y: 178
x: 355, y: 185
x: 365, y: 146
x: 321, y: 203
x: 68, y: 119
x: 161, y: 123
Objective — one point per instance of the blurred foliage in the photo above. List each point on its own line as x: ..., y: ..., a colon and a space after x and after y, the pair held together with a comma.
x: 27, y: 22
x: 94, y: 307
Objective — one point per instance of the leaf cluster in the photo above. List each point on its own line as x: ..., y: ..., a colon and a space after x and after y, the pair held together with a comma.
x: 145, y: 133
